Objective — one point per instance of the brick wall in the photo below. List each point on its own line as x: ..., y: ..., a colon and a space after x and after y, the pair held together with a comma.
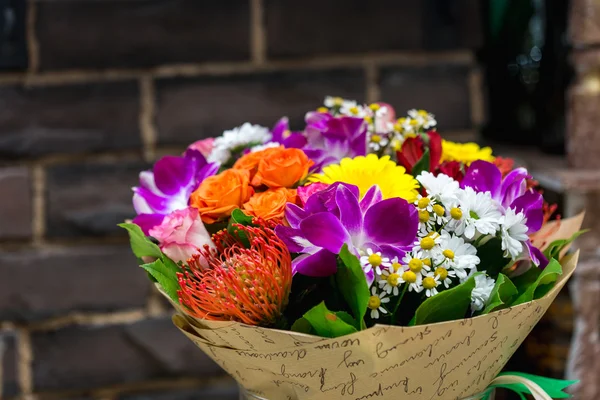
x: 110, y: 86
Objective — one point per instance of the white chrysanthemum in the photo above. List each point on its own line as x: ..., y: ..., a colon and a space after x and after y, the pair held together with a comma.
x: 457, y: 255
x: 261, y: 147
x: 480, y: 213
x: 482, y: 291
x: 376, y: 302
x: 424, y: 119
x: 219, y: 154
x: 242, y: 136
x: 513, y: 231
x: 441, y: 188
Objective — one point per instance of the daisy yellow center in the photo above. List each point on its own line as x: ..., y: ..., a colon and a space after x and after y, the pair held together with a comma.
x: 398, y: 127
x: 376, y: 139
x: 423, y: 113
x: 448, y: 254
x: 423, y: 215
x: 374, y: 107
x: 439, y: 210
x: 427, y: 243
x: 322, y: 109
x: 396, y: 266
x: 465, y: 152
x: 409, y: 277
x: 374, y: 302
x: 338, y: 101
x: 456, y: 213
x: 375, y: 260
x: 429, y: 283
x: 424, y: 202
x: 441, y: 272
x: 414, y: 122
x: 369, y: 119
x: 401, y: 120
x: 396, y: 145
x: 353, y: 110
x: 370, y: 170
x: 427, y: 261
x: 392, y: 279
x: 415, y: 265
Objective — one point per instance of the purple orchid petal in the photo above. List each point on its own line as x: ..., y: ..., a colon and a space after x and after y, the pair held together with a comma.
x: 514, y: 185
x: 152, y: 201
x: 172, y: 173
x: 536, y: 255
x: 370, y: 277
x: 391, y: 221
x: 372, y: 196
x: 392, y: 251
x: 294, y: 141
x: 531, y: 204
x: 325, y: 230
x: 278, y: 130
x: 351, y: 215
x: 294, y: 214
x: 294, y: 240
x: 323, y: 263
x: 148, y: 221
x: 483, y: 176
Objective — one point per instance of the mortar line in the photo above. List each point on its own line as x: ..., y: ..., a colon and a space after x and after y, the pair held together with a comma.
x: 476, y: 97
x: 33, y: 48
x: 24, y: 360
x: 38, y: 177
x: 90, y: 319
x: 258, y: 34
x: 147, y: 126
x: 373, y: 92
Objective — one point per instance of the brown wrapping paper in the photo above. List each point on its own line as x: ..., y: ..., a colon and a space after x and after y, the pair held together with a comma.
x: 449, y: 360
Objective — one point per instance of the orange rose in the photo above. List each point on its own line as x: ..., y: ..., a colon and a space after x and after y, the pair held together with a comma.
x: 270, y: 204
x: 218, y: 195
x: 282, y: 168
x: 250, y: 161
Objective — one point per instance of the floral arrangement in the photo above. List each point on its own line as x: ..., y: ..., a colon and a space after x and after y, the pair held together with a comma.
x: 361, y: 218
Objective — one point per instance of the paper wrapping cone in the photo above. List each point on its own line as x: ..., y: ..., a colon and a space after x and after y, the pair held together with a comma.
x: 449, y: 360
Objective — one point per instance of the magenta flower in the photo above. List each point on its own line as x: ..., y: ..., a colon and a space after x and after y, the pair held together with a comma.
x: 168, y: 187
x: 281, y: 134
x: 335, y: 216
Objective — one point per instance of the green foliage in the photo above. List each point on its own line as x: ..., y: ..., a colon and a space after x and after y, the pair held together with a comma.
x: 535, y: 283
x: 140, y: 244
x: 491, y: 257
x: 557, y: 246
x: 238, y: 217
x: 303, y: 326
x: 327, y: 323
x: 165, y: 276
x: 448, y: 305
x: 351, y: 282
x: 422, y: 164
x: 502, y: 294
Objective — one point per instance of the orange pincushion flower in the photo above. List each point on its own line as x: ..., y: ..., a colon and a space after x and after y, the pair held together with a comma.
x: 250, y: 161
x: 218, y: 195
x: 270, y: 204
x: 282, y: 168
x: 248, y: 285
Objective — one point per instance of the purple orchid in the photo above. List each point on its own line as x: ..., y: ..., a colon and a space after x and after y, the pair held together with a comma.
x: 335, y: 216
x: 168, y: 187
x: 281, y: 134
x: 511, y: 192
x: 332, y: 138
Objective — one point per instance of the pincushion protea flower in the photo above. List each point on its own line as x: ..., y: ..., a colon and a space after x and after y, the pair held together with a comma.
x: 249, y: 285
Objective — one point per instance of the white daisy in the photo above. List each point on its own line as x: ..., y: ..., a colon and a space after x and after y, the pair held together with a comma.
x: 219, y: 154
x: 424, y: 119
x: 417, y: 262
x: 430, y: 284
x: 377, y: 141
x: 457, y: 255
x: 513, y: 230
x: 428, y: 245
x: 374, y: 260
x: 414, y: 281
x: 376, y: 302
x: 480, y: 213
x: 444, y: 275
x: 482, y: 291
x: 442, y: 188
x: 390, y: 281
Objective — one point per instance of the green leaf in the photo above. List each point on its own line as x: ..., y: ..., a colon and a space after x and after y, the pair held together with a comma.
x: 502, y: 294
x: 535, y: 283
x: 491, y: 257
x: 422, y: 164
x: 554, y: 388
x: 166, y: 277
x: 352, y: 284
x: 303, y: 326
x: 448, y: 305
x: 327, y: 323
x: 238, y: 217
x: 556, y: 247
x: 140, y: 244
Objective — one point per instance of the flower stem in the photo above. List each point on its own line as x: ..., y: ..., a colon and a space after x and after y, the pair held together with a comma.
x: 393, y: 316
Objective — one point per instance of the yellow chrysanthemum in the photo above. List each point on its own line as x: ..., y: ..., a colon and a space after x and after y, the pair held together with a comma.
x: 465, y: 152
x: 365, y: 172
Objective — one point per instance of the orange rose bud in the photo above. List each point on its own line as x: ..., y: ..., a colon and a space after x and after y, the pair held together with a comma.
x: 218, y: 195
x: 282, y: 168
x: 271, y: 204
x: 250, y: 161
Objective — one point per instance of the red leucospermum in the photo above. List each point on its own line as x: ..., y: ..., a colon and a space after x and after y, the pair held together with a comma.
x: 249, y: 284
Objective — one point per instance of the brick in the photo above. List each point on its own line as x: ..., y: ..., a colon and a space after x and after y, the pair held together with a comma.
x: 229, y: 392
x: 190, y: 109
x: 313, y: 27
x: 452, y: 24
x: 13, y: 45
x: 58, y: 280
x: 441, y: 90
x: 15, y: 203
x: 90, y: 199
x: 80, y: 357
x: 9, y: 385
x: 68, y: 119
x: 141, y: 33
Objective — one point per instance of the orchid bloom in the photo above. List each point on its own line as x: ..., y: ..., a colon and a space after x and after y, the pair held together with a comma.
x: 281, y: 134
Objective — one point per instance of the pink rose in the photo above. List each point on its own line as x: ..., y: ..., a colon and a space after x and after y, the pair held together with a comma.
x: 304, y: 192
x: 181, y: 234
x: 204, y: 146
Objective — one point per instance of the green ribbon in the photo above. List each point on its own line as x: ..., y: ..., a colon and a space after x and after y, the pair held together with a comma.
x: 554, y: 388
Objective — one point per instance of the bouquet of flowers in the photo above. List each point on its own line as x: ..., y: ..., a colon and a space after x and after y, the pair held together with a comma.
x: 362, y: 257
